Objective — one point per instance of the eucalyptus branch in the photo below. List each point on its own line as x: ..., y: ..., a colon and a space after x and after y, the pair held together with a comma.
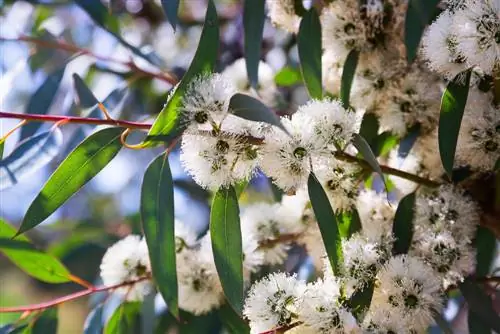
x: 60, y: 45
x: 283, y: 329
x: 70, y: 297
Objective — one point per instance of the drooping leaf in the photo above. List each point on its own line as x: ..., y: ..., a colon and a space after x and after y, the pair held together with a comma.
x: 46, y: 322
x: 167, y: 125
x: 232, y: 321
x: 288, y: 76
x: 94, y: 321
x: 29, y: 156
x: 23, y: 254
x: 365, y: 150
x: 225, y: 232
x: 327, y: 223
x: 485, y: 243
x: 349, y: 223
x: 158, y: 221
x: 171, y: 7
x: 41, y: 101
x: 385, y: 142
x: 79, y: 167
x: 348, y: 72
x: 418, y: 15
x: 253, y: 24
x: 125, y: 320
x: 250, y: 108
x: 450, y: 118
x: 86, y: 98
x: 309, y: 46
x: 480, y: 304
x: 361, y: 299
x: 369, y: 129
x: 476, y: 325
x: 442, y: 323
x: 402, y: 228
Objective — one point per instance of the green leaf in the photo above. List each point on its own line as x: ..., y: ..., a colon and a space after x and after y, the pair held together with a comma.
x: 327, y: 223
x: 418, y: 15
x: 288, y: 76
x: 125, y: 320
x: 309, y: 45
x: 81, y: 165
x: 158, y: 221
x: 46, y: 323
x: 480, y: 304
x: 110, y: 102
x: 365, y: 150
x: 385, y: 142
x: 225, y: 233
x: 349, y: 223
x: 2, y: 146
x: 167, y: 125
x: 485, y: 242
x: 476, y: 325
x: 402, y: 229
x: 442, y: 323
x: 41, y: 101
x: 37, y: 264
x: 452, y: 110
x: 94, y: 322
x: 171, y: 7
x: 86, y: 98
x: 348, y: 72
x: 29, y: 156
x: 232, y: 321
x: 251, y: 109
x: 369, y: 129
x: 361, y: 299
x: 253, y: 24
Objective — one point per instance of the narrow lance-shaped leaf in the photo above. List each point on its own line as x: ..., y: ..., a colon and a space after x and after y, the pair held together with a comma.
x: 81, y: 165
x: 402, y: 228
x: 41, y: 101
x: 288, y: 76
x: 225, y: 232
x: 86, y: 98
x: 171, y: 7
x: 443, y: 324
x: 125, y: 320
x: 367, y: 153
x: 480, y: 304
x: 110, y: 103
x: 348, y: 72
x: 94, y: 321
x: 35, y: 263
x: 418, y: 15
x: 452, y: 110
x: 158, y: 221
x: 349, y: 223
x: 327, y: 223
x: 168, y: 125
x: 253, y: 24
x: 29, y: 156
x: 369, y: 129
x: 46, y: 322
x: 251, y: 109
x: 309, y: 46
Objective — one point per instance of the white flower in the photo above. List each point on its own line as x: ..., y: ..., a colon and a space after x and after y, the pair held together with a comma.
x: 376, y: 215
x: 331, y: 68
x: 266, y: 89
x: 199, y: 286
x: 282, y: 14
x: 451, y: 259
x: 479, y: 141
x: 407, y: 285
x: 446, y: 209
x: 287, y: 159
x: 272, y: 302
x: 379, y: 320
x: 427, y: 151
x: 206, y: 101
x: 216, y: 161
x: 439, y: 47
x: 185, y: 236
x: 126, y: 261
x: 312, y: 240
x: 320, y: 310
x: 340, y: 182
x: 294, y: 207
x: 262, y: 223
x: 332, y: 123
x: 477, y: 28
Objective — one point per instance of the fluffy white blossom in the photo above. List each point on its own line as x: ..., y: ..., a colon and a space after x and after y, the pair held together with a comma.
x: 439, y: 47
x: 185, y: 236
x: 381, y: 320
x: 126, y: 261
x: 477, y: 28
x: 427, y: 152
x: 321, y: 312
x: 376, y: 215
x: 446, y: 209
x: 273, y: 302
x: 282, y: 14
x: 206, y: 101
x: 266, y: 89
x: 199, y: 286
x: 408, y: 287
x: 215, y: 161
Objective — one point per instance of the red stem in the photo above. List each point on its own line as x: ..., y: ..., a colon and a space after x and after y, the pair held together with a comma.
x: 67, y: 298
x: 75, y: 119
